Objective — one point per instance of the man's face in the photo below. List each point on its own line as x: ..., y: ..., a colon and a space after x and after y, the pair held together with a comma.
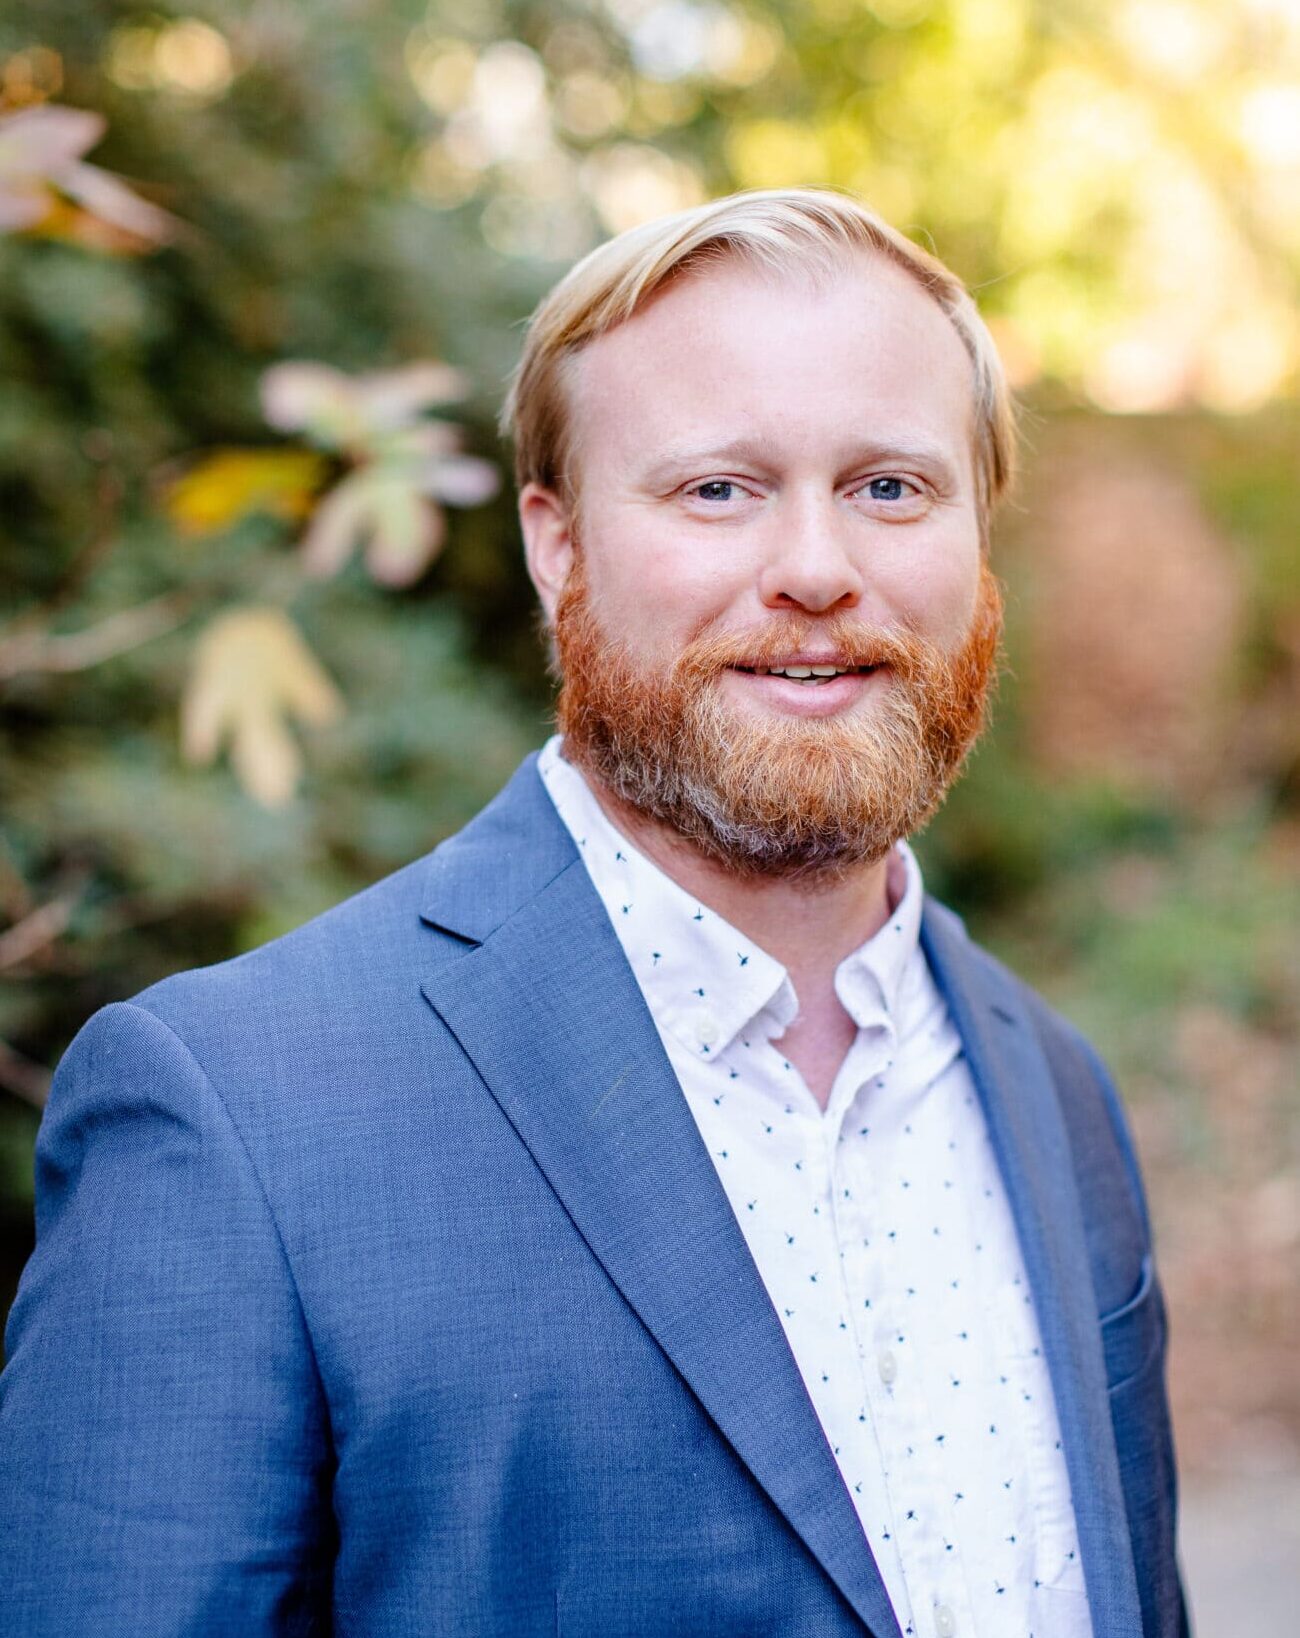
x: 772, y: 473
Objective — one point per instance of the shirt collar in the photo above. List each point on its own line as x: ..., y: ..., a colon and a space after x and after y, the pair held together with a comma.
x: 704, y: 981
x: 872, y: 979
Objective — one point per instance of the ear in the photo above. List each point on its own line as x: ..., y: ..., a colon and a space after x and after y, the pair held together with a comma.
x: 548, y: 542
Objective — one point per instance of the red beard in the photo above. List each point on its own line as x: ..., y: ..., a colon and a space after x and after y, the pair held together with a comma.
x: 793, y: 797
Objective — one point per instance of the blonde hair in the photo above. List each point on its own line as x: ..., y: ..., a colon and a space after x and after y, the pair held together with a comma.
x: 776, y: 229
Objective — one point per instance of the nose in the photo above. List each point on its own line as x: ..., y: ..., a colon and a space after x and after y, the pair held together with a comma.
x: 815, y: 561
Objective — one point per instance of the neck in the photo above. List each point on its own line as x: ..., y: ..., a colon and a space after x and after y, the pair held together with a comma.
x: 808, y: 927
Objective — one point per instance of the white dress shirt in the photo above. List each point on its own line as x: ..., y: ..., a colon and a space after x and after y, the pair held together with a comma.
x: 882, y: 1233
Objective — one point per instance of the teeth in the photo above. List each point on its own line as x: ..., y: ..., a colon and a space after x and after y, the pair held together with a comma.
x: 806, y: 673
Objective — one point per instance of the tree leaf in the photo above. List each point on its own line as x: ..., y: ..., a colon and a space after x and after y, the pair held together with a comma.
x: 38, y: 142
x: 406, y: 534
x: 40, y: 157
x: 23, y: 203
x: 252, y: 674
x: 380, y: 510
x: 354, y: 412
x: 462, y: 480
x: 337, y: 525
x: 107, y: 197
x: 230, y: 484
x: 388, y: 399
x: 304, y: 396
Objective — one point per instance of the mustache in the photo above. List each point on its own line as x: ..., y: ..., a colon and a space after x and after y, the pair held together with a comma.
x: 840, y: 640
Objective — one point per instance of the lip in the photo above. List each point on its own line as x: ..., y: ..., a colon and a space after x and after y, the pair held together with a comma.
x: 785, y: 697
x: 804, y: 659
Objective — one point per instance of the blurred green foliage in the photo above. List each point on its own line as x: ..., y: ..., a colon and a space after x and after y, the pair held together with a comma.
x: 367, y: 185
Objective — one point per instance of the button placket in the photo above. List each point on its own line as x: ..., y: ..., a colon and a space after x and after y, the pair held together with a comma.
x: 855, y: 1209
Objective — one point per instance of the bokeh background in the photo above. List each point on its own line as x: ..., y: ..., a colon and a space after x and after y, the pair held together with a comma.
x: 264, y: 630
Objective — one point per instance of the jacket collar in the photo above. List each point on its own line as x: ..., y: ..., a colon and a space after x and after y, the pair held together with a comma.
x: 505, y: 856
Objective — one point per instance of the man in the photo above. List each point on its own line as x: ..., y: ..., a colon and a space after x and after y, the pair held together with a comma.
x: 647, y: 1215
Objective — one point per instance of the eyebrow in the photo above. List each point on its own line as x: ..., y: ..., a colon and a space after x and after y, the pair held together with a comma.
x: 671, y: 464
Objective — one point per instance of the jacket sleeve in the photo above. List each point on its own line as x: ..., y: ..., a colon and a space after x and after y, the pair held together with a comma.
x: 165, y: 1459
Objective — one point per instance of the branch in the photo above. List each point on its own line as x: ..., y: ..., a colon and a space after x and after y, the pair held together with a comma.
x: 79, y: 650
x: 102, y: 540
x: 15, y: 895
x: 41, y: 927
x: 28, y: 1080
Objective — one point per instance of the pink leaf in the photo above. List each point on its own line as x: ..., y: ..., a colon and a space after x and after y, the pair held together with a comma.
x: 337, y: 525
x: 302, y: 394
x: 22, y: 205
x: 112, y: 201
x: 40, y: 141
x: 418, y: 445
x: 406, y: 534
x: 462, y: 480
x: 387, y: 399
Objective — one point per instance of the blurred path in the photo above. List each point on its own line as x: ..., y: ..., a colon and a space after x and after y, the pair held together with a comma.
x: 1241, y: 1555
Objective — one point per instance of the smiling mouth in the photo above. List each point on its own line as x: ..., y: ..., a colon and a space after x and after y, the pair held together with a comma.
x: 813, y: 676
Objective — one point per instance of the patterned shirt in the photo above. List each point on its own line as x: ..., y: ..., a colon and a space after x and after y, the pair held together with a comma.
x: 882, y: 1233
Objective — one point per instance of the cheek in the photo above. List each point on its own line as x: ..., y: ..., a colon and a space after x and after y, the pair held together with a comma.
x: 936, y: 593
x: 655, y: 588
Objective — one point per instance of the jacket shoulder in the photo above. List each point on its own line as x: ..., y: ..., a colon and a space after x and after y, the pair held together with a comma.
x: 343, y: 951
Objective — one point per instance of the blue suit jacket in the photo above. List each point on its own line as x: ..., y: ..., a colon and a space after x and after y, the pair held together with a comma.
x: 383, y: 1285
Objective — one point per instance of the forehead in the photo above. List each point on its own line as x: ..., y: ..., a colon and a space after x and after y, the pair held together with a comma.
x: 802, y: 360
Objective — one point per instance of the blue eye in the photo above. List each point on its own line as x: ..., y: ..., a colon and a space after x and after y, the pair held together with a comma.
x: 717, y: 490
x: 886, y: 489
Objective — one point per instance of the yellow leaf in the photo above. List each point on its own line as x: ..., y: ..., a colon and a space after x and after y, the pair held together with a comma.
x: 252, y: 674
x: 230, y: 484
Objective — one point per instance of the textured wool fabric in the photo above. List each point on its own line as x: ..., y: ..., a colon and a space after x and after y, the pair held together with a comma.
x: 882, y: 1234
x: 384, y: 1286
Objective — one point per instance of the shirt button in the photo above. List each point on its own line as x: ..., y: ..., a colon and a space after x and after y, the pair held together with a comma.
x: 945, y: 1624
x: 706, y: 1029
x: 887, y: 1365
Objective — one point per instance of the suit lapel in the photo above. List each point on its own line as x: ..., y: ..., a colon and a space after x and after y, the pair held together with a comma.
x: 547, y: 1009
x: 1029, y: 1138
